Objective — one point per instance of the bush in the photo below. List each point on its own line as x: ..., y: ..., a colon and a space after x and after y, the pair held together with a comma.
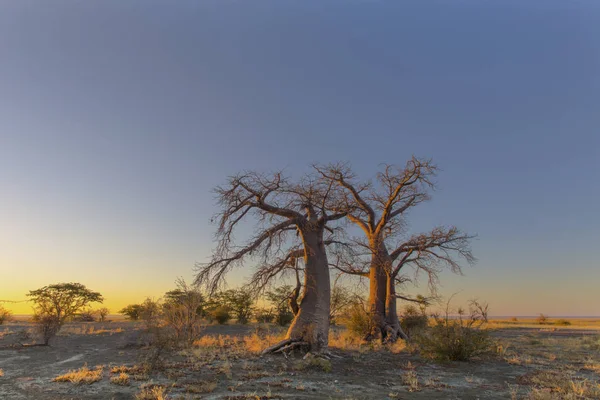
x: 413, y: 321
x: 84, y: 316
x: 132, y: 311
x: 183, y: 316
x: 264, y: 315
x: 102, y: 313
x: 457, y: 339
x: 542, y: 319
x: 357, y: 320
x: 5, y: 315
x: 284, y: 317
x: 47, y: 326
x: 562, y: 322
x: 221, y: 314
x: 281, y: 299
x: 240, y: 304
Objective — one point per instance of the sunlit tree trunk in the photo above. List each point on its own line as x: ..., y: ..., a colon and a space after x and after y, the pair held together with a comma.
x: 311, y: 324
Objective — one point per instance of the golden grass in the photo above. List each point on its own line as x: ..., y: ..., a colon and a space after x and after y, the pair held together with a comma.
x: 551, y: 323
x: 1, y: 372
x: 201, y: 387
x: 84, y: 375
x: 121, y: 379
x: 152, y: 392
x: 235, y: 345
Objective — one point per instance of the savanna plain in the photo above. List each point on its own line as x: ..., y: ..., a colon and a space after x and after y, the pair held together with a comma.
x: 123, y: 359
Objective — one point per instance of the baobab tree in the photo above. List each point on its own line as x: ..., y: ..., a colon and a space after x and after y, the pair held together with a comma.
x: 426, y: 253
x: 379, y: 211
x: 284, y: 212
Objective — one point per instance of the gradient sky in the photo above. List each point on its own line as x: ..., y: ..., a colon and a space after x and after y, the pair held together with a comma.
x: 117, y: 118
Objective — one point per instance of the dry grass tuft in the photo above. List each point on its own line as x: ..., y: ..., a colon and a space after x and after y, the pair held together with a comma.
x: 1, y: 372
x: 410, y: 379
x: 550, y: 384
x: 121, y: 379
x: 151, y: 391
x: 201, y: 387
x: 84, y: 375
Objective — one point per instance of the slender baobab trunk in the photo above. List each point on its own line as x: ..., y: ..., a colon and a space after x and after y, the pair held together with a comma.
x: 394, y: 330
x: 382, y: 297
x: 311, y: 324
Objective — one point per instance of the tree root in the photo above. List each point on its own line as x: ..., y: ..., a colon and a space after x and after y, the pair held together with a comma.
x: 278, y: 346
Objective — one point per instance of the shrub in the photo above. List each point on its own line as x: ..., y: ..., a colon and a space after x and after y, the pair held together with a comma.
x: 281, y: 298
x: 264, y: 315
x: 413, y: 321
x: 132, y: 311
x: 221, y: 314
x: 357, y: 320
x: 5, y: 315
x: 315, y: 364
x: 102, y: 313
x: 563, y: 322
x: 182, y: 316
x: 47, y: 326
x: 150, y: 313
x: 457, y: 339
x: 84, y: 316
x: 283, y: 317
x: 239, y: 302
x: 542, y: 319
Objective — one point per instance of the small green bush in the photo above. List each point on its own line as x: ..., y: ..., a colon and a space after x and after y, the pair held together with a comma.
x: 283, y: 317
x: 84, y: 316
x: 5, y: 315
x: 455, y: 339
x: 47, y: 326
x: 357, y: 320
x: 264, y: 315
x: 221, y: 314
x: 562, y: 322
x: 413, y: 321
x: 315, y: 364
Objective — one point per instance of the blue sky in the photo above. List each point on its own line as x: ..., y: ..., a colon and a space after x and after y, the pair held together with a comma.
x: 117, y: 118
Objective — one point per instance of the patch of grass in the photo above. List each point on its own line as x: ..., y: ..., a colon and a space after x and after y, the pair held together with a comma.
x: 201, y: 387
x: 121, y: 379
x: 151, y: 391
x: 84, y: 375
x: 562, y: 322
x: 410, y: 379
x: 315, y: 364
x: 451, y: 340
x: 554, y: 384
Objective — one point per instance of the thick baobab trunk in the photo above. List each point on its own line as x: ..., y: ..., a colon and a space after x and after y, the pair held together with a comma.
x: 311, y: 324
x: 394, y: 330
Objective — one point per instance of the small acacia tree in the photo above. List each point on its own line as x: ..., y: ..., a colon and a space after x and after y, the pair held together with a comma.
x: 132, y: 311
x: 182, y: 311
x: 63, y: 300
x: 5, y: 315
x: 54, y: 304
x: 102, y: 313
x: 241, y: 304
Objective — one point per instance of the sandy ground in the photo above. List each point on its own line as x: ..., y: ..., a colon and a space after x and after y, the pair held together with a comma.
x: 356, y: 374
